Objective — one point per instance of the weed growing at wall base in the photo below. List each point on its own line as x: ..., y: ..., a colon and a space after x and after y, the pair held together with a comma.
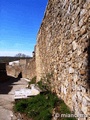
x: 32, y: 81
x: 39, y: 107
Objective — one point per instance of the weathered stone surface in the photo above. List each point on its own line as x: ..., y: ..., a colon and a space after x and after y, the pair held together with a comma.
x: 82, y: 72
x: 71, y: 70
x: 79, y: 96
x: 83, y: 30
x: 83, y: 12
x: 74, y: 45
x: 64, y: 45
x: 84, y: 109
x: 75, y: 78
x: 81, y: 22
x: 84, y: 101
x: 75, y: 27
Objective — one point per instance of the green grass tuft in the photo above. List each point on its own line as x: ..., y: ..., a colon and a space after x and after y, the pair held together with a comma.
x: 33, y: 81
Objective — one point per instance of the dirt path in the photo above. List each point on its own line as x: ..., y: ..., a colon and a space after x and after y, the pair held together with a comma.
x: 7, y: 90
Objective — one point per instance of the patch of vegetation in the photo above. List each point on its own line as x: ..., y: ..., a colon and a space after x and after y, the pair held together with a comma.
x: 33, y: 80
x: 20, y: 106
x: 45, y: 82
x: 39, y: 107
x: 42, y: 86
x: 63, y: 109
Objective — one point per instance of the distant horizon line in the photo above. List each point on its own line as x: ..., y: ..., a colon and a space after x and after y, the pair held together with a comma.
x: 17, y: 57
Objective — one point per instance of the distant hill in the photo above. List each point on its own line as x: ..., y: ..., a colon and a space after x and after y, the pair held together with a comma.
x: 9, y: 59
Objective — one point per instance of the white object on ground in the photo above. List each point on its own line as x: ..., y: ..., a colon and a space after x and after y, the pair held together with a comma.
x: 25, y: 92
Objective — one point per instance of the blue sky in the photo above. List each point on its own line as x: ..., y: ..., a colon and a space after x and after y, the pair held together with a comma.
x: 20, y: 21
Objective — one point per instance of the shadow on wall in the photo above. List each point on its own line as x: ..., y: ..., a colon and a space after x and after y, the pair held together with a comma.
x: 6, y: 82
x: 6, y: 86
x: 88, y: 51
x: 20, y: 75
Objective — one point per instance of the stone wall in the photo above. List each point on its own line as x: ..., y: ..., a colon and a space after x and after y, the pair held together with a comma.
x: 13, y: 68
x: 26, y: 68
x: 63, y: 49
x: 29, y: 70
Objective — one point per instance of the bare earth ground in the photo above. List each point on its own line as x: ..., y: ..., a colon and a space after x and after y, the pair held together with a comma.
x: 7, y: 90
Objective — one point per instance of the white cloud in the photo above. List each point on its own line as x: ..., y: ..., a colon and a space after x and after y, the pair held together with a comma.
x: 13, y: 53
